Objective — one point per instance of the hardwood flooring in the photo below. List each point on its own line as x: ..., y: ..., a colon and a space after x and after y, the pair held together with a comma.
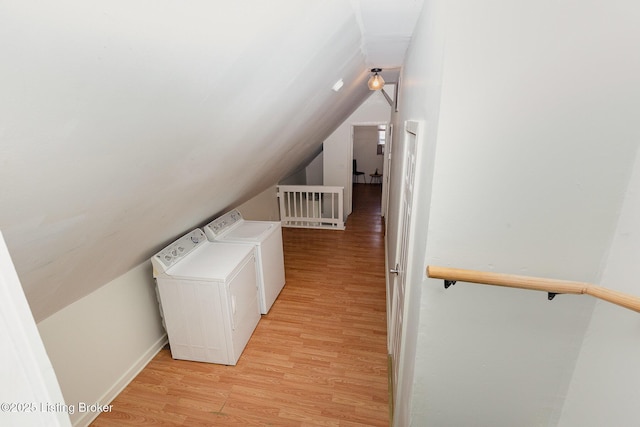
x: 319, y: 358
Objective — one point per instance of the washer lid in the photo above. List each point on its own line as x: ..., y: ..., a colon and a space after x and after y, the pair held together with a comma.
x: 249, y: 230
x: 212, y: 261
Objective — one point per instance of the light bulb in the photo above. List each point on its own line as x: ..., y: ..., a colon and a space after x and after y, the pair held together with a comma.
x: 376, y: 82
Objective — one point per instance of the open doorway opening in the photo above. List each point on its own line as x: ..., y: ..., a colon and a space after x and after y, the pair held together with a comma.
x: 368, y: 152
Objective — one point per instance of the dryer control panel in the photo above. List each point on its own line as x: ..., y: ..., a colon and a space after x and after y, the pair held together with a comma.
x: 177, y: 250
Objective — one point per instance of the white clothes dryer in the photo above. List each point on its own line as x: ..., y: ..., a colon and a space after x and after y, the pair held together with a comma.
x: 208, y: 298
x: 266, y: 237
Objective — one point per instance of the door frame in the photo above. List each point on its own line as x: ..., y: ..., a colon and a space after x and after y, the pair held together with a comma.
x: 386, y: 172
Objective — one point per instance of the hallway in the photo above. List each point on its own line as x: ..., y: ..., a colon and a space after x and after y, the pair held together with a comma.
x: 318, y: 358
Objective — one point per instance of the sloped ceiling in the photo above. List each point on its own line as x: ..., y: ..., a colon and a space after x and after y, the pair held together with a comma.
x: 125, y: 124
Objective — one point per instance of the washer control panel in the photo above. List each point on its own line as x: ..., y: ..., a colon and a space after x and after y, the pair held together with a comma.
x: 177, y: 250
x: 220, y: 224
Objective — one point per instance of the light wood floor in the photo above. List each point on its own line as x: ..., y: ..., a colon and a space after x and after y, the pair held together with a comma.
x: 319, y: 358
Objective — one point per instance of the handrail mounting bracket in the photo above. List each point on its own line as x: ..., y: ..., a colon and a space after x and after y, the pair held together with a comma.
x: 448, y: 283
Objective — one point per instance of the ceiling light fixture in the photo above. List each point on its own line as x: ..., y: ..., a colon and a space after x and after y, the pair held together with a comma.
x: 376, y: 82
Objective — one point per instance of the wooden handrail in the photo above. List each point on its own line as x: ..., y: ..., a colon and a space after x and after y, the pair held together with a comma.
x: 552, y: 286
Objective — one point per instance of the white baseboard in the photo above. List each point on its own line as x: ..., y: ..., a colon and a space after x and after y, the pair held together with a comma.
x: 124, y: 380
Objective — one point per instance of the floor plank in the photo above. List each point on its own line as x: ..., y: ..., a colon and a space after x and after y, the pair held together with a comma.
x: 319, y: 358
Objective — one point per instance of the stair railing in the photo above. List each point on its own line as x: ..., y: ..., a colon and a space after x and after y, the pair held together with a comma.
x: 311, y: 206
x: 552, y: 286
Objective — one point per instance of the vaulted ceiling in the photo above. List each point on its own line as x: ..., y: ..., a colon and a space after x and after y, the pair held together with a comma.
x: 124, y: 124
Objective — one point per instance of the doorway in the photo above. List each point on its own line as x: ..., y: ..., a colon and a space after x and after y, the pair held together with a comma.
x: 368, y: 150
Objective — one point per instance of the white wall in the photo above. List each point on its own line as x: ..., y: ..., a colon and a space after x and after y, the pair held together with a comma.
x: 263, y: 207
x: 314, y: 170
x: 99, y: 343
x: 338, y: 146
x: 297, y: 178
x: 535, y: 139
x: 605, y: 388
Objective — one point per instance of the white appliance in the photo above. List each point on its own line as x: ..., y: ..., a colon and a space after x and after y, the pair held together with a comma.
x: 208, y: 297
x: 266, y: 237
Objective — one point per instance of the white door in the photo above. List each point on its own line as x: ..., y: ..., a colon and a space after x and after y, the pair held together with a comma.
x: 397, y: 275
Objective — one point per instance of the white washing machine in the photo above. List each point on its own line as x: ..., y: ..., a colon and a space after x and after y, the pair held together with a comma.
x: 208, y: 297
x: 266, y: 237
